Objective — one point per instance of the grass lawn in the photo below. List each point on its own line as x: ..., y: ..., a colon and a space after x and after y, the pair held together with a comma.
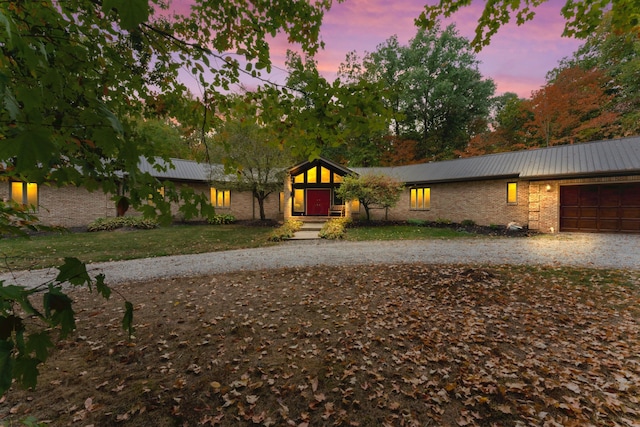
x: 50, y: 250
x: 368, y: 346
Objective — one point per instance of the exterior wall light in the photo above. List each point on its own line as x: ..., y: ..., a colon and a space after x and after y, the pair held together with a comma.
x: 548, y: 187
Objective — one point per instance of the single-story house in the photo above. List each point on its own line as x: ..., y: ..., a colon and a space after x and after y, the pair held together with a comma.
x: 592, y: 187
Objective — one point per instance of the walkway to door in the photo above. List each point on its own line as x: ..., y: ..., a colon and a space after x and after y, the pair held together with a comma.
x: 310, y: 229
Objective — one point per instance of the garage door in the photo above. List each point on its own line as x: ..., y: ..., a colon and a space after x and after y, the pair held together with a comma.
x: 600, y: 208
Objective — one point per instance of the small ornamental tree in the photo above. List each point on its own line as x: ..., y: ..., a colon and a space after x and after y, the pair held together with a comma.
x: 371, y: 190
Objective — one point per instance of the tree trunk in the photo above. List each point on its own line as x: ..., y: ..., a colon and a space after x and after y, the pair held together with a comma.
x: 260, y: 197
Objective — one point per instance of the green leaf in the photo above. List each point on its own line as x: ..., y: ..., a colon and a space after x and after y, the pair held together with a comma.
x: 26, y: 371
x: 59, y: 311
x: 102, y: 288
x: 131, y: 12
x: 127, y: 320
x: 11, y: 294
x: 6, y: 365
x: 73, y: 271
x: 39, y: 343
x: 9, y: 324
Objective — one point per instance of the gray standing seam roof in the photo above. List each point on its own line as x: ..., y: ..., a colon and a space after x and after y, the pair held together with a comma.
x: 611, y: 157
x: 183, y: 170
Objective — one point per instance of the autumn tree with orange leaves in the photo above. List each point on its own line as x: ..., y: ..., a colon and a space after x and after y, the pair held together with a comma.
x: 573, y: 108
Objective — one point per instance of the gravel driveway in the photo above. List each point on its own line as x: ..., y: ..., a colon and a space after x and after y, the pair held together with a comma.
x: 580, y: 250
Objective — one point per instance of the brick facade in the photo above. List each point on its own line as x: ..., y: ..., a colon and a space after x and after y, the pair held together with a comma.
x: 71, y: 206
x: 484, y: 202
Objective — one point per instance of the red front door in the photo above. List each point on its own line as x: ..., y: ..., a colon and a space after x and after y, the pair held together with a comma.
x: 318, y: 201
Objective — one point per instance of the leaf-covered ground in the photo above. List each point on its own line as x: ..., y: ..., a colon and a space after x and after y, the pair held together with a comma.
x: 399, y: 345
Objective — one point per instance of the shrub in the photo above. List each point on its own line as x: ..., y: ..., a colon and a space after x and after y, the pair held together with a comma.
x: 334, y: 228
x: 495, y: 226
x: 220, y: 219
x: 443, y: 221
x: 108, y: 224
x: 286, y: 230
x: 417, y: 222
x: 468, y: 222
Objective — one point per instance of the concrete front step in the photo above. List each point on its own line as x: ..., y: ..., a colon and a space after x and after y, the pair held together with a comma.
x: 309, y: 230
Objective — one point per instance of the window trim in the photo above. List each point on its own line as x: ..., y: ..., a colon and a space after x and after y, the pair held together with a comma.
x: 425, y: 198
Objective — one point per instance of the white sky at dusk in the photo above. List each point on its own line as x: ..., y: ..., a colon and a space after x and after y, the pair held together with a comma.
x: 517, y: 59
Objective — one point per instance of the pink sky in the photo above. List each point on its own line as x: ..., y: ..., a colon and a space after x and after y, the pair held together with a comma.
x: 517, y: 59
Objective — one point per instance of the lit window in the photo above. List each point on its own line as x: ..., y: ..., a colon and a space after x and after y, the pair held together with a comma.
x: 421, y: 198
x: 355, y: 205
x: 298, y: 200
x: 312, y: 176
x: 325, y: 175
x: 337, y: 178
x: 220, y: 198
x: 160, y: 192
x: 281, y: 202
x: 24, y: 193
x: 512, y: 193
x: 299, y: 179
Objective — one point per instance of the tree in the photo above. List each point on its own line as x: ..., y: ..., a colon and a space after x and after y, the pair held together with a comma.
x: 445, y: 92
x: 617, y: 56
x: 583, y: 17
x: 506, y: 132
x: 433, y: 88
x: 371, y: 191
x: 250, y: 151
x: 571, y: 109
x: 324, y: 118
x: 75, y: 76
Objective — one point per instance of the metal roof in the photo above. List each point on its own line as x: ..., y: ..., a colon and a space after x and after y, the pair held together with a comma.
x: 611, y: 157
x: 182, y: 170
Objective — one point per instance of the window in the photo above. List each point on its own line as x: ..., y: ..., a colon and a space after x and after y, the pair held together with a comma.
x: 512, y: 193
x: 298, y: 200
x: 160, y: 193
x: 220, y: 198
x: 325, y: 175
x: 420, y: 198
x: 312, y: 176
x: 337, y: 179
x: 24, y: 193
x: 299, y: 179
x: 281, y: 202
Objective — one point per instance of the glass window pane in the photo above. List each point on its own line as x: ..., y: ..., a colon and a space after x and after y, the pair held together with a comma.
x: 337, y: 178
x: 281, y: 202
x: 212, y: 196
x: 220, y: 198
x: 227, y: 198
x: 325, y: 175
x: 512, y: 192
x: 312, y: 175
x: 413, y: 198
x: 16, y: 192
x: 420, y: 200
x: 427, y: 198
x: 32, y: 194
x: 298, y: 200
x: 299, y: 179
x: 355, y: 206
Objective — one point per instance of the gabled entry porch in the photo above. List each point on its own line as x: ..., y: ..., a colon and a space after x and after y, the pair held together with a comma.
x: 310, y: 190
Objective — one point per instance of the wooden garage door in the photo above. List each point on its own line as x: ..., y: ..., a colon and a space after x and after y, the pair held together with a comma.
x: 600, y: 208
